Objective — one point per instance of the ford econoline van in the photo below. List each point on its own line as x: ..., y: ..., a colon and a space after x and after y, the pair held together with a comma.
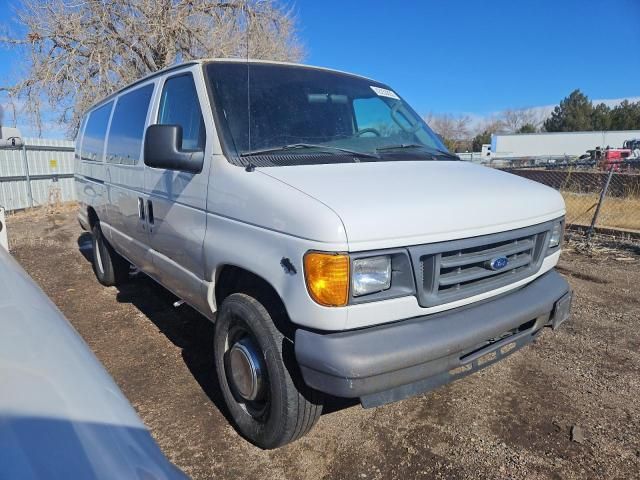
x: 338, y: 246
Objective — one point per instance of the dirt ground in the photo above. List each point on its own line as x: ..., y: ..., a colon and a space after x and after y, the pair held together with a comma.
x: 567, y: 407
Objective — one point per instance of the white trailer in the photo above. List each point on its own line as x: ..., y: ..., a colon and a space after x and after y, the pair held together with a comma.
x: 571, y: 144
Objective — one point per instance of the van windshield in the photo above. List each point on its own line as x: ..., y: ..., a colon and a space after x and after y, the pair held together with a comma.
x: 296, y: 110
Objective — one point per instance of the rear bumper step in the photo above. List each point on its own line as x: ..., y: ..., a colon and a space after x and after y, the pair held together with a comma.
x: 391, y: 362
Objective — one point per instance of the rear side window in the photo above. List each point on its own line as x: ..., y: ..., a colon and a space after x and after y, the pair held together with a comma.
x: 79, y: 137
x: 94, y: 133
x: 179, y: 105
x: 127, y: 126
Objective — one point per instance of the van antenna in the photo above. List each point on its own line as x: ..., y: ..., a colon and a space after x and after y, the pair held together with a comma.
x: 248, y: 32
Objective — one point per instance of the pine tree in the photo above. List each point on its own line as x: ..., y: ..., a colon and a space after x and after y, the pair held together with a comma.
x: 572, y: 115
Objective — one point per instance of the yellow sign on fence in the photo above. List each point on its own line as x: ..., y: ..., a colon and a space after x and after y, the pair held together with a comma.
x: 53, y: 164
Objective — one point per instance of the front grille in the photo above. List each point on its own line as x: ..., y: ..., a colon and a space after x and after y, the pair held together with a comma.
x: 450, y: 271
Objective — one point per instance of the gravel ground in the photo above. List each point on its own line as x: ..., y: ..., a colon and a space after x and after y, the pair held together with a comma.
x: 566, y: 407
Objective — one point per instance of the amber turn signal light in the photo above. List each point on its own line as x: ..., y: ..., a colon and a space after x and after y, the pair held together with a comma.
x: 327, y: 277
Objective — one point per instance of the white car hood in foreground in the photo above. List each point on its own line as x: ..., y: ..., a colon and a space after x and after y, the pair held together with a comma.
x: 61, y: 414
x: 400, y: 203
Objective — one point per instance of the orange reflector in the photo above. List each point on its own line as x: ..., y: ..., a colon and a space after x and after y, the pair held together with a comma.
x: 327, y: 276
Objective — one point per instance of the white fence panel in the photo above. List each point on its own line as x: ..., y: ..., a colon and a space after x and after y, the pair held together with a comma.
x: 14, y: 194
x: 11, y: 163
x: 39, y: 172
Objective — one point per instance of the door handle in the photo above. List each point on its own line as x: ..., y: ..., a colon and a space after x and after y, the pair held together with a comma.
x: 140, y: 208
x: 150, y: 212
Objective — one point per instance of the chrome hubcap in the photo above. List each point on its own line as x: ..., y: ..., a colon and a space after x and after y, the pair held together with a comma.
x: 246, y: 369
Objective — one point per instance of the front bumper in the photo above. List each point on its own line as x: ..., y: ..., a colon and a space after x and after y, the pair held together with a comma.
x: 390, y: 362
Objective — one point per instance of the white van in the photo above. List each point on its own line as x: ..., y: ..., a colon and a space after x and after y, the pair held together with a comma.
x: 314, y: 216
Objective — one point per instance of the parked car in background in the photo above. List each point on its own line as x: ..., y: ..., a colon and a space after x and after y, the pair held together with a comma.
x: 61, y: 414
x: 339, y: 247
x: 613, y: 158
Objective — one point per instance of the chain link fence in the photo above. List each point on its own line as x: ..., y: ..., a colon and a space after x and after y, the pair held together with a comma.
x: 601, y: 199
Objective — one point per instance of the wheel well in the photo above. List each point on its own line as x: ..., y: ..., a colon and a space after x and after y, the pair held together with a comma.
x: 93, y: 217
x: 234, y: 279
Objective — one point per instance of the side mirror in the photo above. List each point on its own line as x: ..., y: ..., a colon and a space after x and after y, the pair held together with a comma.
x: 163, y: 149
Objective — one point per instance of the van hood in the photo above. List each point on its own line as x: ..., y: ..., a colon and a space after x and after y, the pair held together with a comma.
x: 401, y: 203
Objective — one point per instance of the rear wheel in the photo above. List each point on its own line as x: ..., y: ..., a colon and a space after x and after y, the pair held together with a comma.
x: 110, y: 268
x: 262, y: 387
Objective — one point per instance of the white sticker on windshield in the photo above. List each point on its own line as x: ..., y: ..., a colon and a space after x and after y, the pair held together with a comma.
x: 383, y: 92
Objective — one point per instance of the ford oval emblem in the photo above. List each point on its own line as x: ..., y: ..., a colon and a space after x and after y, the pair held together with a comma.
x: 498, y: 263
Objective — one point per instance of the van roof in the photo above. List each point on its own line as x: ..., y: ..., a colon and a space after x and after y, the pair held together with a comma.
x: 274, y: 62
x: 212, y: 60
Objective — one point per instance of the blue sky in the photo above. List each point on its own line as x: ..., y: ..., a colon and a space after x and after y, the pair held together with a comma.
x: 466, y: 56
x: 480, y: 56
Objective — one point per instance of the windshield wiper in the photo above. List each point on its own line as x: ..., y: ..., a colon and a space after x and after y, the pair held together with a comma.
x: 400, y: 146
x: 295, y: 146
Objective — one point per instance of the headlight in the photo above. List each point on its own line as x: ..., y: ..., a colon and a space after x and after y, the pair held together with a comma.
x: 327, y: 277
x: 371, y: 275
x: 556, y: 235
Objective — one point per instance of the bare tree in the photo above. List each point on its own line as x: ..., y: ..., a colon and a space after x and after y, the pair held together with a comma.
x: 453, y: 129
x: 77, y: 51
x: 513, y: 120
x: 492, y: 124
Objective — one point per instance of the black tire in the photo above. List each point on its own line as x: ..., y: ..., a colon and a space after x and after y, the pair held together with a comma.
x: 110, y: 268
x: 287, y: 408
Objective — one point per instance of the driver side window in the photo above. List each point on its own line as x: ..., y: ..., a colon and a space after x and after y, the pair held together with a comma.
x: 179, y: 105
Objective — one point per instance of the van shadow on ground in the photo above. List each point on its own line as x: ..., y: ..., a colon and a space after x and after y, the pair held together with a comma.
x: 185, y: 328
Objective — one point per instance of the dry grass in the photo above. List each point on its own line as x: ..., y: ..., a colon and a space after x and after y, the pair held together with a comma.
x: 616, y: 212
x: 42, y: 211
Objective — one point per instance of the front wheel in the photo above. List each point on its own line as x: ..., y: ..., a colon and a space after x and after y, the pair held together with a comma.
x: 259, y: 379
x: 110, y: 268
